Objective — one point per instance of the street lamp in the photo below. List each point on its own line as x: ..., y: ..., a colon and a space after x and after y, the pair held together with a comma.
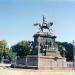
x: 73, y: 54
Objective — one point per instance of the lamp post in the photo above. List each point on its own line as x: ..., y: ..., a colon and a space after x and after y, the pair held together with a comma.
x: 73, y: 54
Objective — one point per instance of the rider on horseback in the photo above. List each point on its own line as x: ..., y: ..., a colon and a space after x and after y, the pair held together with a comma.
x: 44, y: 25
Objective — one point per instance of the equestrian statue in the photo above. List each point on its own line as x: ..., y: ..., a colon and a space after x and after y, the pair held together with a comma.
x: 44, y: 25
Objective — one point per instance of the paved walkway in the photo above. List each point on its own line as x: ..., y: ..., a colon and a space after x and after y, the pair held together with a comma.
x: 6, y: 70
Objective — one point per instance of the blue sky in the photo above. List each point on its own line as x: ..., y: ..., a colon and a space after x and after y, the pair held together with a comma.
x: 18, y: 16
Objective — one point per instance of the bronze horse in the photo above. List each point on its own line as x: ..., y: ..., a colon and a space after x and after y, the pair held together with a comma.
x: 44, y: 25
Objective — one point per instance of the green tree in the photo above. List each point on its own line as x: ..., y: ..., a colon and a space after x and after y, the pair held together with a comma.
x: 5, y: 51
x: 11, y: 55
x: 69, y: 50
x: 22, y: 48
x: 3, y: 46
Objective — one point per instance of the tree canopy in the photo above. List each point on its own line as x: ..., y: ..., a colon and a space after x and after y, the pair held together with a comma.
x: 5, y: 51
x: 22, y: 48
x: 68, y: 50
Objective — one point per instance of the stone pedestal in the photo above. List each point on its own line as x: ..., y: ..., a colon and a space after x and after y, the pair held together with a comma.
x: 46, y: 49
x: 45, y: 62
